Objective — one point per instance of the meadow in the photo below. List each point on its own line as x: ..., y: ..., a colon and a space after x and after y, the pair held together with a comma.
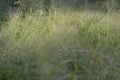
x: 63, y: 45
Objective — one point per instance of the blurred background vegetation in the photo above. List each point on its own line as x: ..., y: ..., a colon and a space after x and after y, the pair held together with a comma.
x: 23, y: 6
x: 103, y: 5
x: 8, y: 6
x: 59, y: 40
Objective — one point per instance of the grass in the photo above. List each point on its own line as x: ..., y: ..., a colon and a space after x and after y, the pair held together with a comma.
x: 61, y: 46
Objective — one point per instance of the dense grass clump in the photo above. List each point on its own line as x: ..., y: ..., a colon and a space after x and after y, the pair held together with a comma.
x: 61, y: 46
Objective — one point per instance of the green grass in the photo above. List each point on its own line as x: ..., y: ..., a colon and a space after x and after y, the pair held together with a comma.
x: 61, y: 46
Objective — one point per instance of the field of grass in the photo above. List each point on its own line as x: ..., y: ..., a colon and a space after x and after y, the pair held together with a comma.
x: 69, y: 45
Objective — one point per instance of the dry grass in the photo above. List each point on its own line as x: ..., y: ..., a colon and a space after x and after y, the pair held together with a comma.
x: 61, y: 46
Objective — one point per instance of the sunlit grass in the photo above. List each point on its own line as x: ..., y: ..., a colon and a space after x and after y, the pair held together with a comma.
x: 61, y: 46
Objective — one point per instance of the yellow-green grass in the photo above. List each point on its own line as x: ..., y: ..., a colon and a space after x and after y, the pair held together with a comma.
x: 61, y: 46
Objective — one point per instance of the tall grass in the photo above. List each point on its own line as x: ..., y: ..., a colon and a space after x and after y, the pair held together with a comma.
x: 61, y: 46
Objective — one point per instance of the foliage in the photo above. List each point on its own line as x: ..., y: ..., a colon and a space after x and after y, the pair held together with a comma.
x: 102, y: 5
x: 82, y: 45
x: 59, y: 40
